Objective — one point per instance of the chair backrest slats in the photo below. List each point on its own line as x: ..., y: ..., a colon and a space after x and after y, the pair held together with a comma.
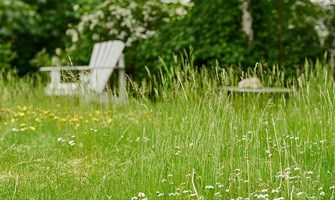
x: 105, y: 54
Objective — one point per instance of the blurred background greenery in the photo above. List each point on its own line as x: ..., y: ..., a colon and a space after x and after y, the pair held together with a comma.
x: 36, y: 33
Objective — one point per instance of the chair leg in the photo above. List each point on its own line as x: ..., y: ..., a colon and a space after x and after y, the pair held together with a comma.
x: 55, y: 81
x: 122, y: 80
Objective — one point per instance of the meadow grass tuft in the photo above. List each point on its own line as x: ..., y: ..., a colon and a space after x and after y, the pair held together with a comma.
x: 180, y: 136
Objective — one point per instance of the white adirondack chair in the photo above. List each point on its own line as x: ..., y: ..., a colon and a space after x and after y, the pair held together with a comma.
x: 106, y: 57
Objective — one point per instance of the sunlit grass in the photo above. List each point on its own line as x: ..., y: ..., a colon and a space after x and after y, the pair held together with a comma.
x: 193, y: 141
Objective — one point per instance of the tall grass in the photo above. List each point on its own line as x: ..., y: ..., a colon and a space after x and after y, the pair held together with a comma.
x: 180, y: 136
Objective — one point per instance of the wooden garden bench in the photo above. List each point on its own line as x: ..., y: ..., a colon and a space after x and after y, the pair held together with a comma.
x: 105, y: 58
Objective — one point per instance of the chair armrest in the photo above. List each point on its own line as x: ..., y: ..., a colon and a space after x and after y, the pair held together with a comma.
x: 79, y: 68
x: 59, y: 68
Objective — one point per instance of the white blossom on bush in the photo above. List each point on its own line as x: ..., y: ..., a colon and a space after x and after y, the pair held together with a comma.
x: 125, y: 20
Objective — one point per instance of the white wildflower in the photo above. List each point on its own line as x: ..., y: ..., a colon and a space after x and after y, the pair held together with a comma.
x: 220, y: 185
x: 262, y: 196
x: 300, y: 193
x: 209, y: 187
x: 141, y: 195
x: 145, y: 139
x: 159, y: 194
x: 172, y: 194
x: 264, y: 190
x: 275, y: 191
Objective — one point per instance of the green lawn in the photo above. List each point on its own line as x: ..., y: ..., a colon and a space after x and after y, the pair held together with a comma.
x: 194, y: 142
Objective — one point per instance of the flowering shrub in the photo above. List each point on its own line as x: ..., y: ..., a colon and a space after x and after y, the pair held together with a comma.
x: 125, y: 20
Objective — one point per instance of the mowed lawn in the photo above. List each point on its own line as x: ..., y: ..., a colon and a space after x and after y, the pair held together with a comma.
x: 198, y: 143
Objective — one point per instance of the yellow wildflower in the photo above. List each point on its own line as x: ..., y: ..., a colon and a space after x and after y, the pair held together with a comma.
x: 63, y: 120
x: 21, y: 114
x: 24, y: 108
x: 74, y: 119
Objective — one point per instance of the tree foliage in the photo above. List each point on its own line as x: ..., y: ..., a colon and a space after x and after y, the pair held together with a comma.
x: 299, y: 36
x: 7, y: 55
x: 327, y: 25
x: 214, y: 31
x: 31, y: 25
x: 33, y: 29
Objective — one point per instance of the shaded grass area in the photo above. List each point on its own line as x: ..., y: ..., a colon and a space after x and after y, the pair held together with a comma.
x: 194, y: 142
